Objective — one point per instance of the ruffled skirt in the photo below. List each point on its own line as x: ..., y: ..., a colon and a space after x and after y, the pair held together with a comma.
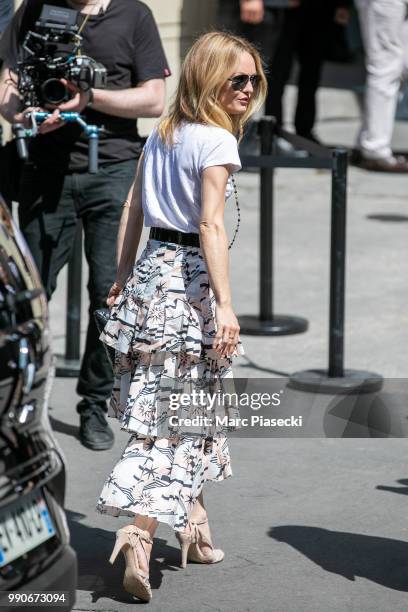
x: 171, y: 392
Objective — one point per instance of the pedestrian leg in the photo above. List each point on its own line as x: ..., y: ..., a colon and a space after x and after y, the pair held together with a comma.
x: 381, y: 24
x: 101, y: 201
x: 47, y: 220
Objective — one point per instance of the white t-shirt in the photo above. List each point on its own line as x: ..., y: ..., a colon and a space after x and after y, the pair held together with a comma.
x: 171, y: 193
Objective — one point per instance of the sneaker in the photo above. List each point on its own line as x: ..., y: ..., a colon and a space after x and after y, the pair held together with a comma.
x: 94, y: 431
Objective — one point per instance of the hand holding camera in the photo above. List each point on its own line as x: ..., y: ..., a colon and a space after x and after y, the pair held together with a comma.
x: 79, y: 100
x: 53, y: 122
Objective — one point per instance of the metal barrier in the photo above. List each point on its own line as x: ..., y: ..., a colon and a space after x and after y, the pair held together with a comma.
x: 268, y: 323
x: 336, y: 379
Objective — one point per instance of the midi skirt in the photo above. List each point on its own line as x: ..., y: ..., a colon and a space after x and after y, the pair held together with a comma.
x: 171, y: 391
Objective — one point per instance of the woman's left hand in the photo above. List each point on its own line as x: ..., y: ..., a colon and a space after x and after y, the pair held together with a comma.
x: 113, y: 293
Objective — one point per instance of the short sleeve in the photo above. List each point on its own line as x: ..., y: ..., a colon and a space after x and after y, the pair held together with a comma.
x: 149, y: 59
x: 220, y: 149
x: 149, y: 139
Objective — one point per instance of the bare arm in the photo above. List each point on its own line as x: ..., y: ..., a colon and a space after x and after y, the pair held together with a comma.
x: 130, y: 230
x: 10, y: 104
x: 145, y: 100
x: 214, y: 243
x: 213, y: 236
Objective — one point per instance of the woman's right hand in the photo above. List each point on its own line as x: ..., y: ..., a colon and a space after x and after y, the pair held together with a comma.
x: 113, y: 293
x: 227, y: 336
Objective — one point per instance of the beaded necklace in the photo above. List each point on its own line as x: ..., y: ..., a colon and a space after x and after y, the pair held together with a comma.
x: 238, y: 212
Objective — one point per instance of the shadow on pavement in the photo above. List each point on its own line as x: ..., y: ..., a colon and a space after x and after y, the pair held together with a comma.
x: 402, y: 490
x: 380, y: 560
x: 65, y: 428
x: 251, y: 364
x: 388, y: 217
x: 93, y: 547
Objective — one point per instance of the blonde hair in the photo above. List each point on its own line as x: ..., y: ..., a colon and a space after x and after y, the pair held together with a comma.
x: 205, y: 69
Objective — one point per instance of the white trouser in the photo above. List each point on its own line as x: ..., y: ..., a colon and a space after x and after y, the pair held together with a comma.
x: 385, y: 35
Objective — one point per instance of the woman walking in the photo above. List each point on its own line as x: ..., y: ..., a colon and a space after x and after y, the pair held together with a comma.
x: 171, y: 321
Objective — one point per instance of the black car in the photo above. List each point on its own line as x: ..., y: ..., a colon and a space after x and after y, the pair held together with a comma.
x: 35, y: 554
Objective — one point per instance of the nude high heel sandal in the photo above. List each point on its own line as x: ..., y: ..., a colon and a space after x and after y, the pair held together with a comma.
x: 190, y: 546
x: 135, y: 581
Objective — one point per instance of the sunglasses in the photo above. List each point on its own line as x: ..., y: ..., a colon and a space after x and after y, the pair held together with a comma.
x: 240, y: 81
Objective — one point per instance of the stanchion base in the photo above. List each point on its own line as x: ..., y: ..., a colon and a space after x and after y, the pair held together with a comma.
x: 353, y: 381
x: 279, y: 325
x: 67, y: 368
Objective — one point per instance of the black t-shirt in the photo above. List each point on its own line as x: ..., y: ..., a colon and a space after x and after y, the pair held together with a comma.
x: 126, y: 41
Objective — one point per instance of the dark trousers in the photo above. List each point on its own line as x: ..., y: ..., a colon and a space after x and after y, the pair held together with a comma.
x: 262, y: 35
x: 50, y: 203
x: 304, y: 35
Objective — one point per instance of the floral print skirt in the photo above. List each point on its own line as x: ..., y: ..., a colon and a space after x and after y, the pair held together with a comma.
x: 171, y: 391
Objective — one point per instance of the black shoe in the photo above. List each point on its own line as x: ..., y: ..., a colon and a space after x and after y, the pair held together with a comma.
x: 355, y: 157
x: 393, y: 164
x: 94, y: 431
x: 311, y: 136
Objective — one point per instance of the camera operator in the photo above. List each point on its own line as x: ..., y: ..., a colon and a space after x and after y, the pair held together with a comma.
x: 55, y: 187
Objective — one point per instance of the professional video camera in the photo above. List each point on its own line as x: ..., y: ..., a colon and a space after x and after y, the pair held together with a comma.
x: 51, y: 54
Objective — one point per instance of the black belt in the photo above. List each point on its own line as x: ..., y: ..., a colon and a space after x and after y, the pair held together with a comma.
x: 168, y: 235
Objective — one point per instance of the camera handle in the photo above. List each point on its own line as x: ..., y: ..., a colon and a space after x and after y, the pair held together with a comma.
x: 92, y: 132
x: 93, y: 137
x: 20, y: 134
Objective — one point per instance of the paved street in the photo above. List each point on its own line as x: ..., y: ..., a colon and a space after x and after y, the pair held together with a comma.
x: 306, y: 524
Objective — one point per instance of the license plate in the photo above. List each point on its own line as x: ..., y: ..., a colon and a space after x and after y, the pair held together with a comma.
x: 24, y: 525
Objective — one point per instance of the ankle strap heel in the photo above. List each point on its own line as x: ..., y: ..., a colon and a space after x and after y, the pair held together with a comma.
x: 190, y: 545
x: 135, y: 580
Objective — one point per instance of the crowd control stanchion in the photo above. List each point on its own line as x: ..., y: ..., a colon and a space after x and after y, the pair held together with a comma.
x: 69, y: 365
x: 337, y: 379
x: 268, y: 323
x: 337, y: 264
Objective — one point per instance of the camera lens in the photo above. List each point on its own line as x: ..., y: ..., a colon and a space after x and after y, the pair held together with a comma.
x: 53, y: 91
